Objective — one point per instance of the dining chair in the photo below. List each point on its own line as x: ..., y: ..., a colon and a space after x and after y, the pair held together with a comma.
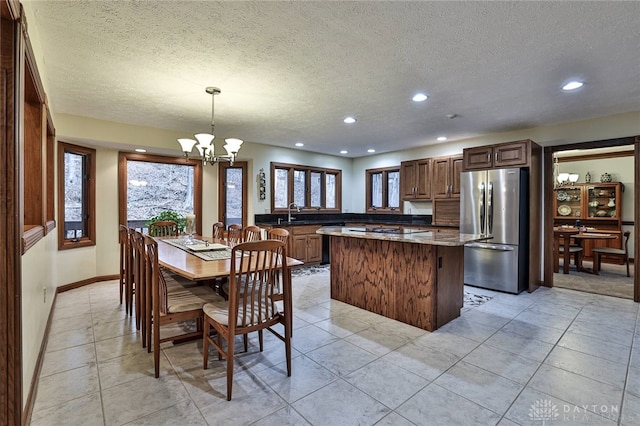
x: 252, y: 304
x: 123, y: 240
x: 234, y: 234
x: 218, y: 230
x: 252, y: 233
x: 576, y: 251
x: 138, y: 248
x: 130, y: 288
x: 278, y: 234
x: 598, y: 252
x: 163, y: 228
x: 172, y: 302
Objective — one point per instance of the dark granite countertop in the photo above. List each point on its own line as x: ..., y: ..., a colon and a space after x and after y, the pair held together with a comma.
x: 340, y: 219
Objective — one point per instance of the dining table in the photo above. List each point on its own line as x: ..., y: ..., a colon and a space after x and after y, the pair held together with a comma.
x: 562, y: 238
x: 195, y: 265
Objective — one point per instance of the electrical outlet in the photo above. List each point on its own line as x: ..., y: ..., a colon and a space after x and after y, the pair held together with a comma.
x: 44, y: 291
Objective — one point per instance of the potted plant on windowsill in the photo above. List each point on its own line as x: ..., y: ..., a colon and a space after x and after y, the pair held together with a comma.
x: 168, y: 215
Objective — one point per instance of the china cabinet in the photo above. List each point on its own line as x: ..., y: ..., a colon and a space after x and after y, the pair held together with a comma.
x: 597, y: 207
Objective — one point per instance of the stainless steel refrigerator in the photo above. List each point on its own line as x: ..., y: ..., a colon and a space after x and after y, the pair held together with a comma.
x: 495, y: 203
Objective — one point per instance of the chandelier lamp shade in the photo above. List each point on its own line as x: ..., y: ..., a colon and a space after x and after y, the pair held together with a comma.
x: 204, y: 141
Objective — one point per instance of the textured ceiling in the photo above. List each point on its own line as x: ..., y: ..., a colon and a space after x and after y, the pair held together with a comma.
x: 291, y: 71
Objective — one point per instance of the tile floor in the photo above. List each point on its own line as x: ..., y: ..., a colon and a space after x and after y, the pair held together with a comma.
x: 551, y: 357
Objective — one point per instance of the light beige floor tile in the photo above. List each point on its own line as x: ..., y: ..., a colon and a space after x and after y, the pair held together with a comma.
x: 435, y: 405
x: 285, y: 416
x: 83, y: 411
x: 130, y: 367
x: 68, y: 385
x: 630, y: 410
x: 184, y: 413
x: 138, y: 398
x: 66, y: 324
x: 70, y: 338
x: 587, y: 365
x: 520, y: 345
x: 341, y: 357
x: 386, y: 382
x: 394, y: 419
x: 340, y: 403
x: 307, y: 376
x: 503, y: 363
x: 68, y: 359
x: 480, y: 386
x: 447, y: 343
x: 118, y: 346
x: 426, y: 362
x: 308, y: 338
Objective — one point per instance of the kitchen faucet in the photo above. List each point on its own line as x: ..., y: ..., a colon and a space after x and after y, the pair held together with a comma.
x: 289, y: 218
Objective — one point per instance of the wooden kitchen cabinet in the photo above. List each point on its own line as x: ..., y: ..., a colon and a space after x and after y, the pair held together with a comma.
x: 510, y: 154
x: 305, y: 244
x: 445, y: 180
x: 415, y: 178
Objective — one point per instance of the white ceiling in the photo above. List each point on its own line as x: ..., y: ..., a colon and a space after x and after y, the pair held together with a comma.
x: 291, y: 71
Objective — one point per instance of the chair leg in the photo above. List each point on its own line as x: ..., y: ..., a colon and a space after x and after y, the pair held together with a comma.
x: 596, y: 263
x: 260, y: 339
x: 627, y: 260
x: 230, y: 348
x: 205, y: 345
x: 245, y: 340
x: 578, y: 261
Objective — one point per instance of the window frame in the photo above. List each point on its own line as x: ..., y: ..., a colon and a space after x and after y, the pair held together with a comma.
x: 291, y: 168
x: 222, y: 194
x: 90, y: 169
x: 123, y: 157
x: 385, y: 189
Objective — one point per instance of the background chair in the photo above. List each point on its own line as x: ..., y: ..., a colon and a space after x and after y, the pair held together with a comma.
x: 576, y: 251
x: 278, y: 234
x: 252, y: 233
x: 234, y: 234
x: 163, y: 228
x: 123, y: 239
x: 252, y: 303
x: 218, y: 231
x: 598, y: 252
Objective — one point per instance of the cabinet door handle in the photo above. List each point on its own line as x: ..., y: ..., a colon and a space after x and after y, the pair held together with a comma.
x: 488, y: 157
x: 496, y: 155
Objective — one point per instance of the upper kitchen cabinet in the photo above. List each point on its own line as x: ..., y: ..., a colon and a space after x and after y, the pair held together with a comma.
x: 415, y: 179
x: 510, y: 154
x: 445, y: 181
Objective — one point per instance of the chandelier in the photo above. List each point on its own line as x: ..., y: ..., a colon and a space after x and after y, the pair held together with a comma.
x: 204, y: 141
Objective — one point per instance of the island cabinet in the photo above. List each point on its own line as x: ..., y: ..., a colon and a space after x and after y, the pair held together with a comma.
x: 510, y: 154
x: 305, y: 244
x: 416, y: 278
x: 445, y: 181
x: 415, y: 178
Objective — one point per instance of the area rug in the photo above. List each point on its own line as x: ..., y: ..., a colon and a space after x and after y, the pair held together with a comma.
x: 470, y: 300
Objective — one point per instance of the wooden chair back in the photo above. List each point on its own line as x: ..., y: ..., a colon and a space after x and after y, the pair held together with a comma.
x: 123, y: 240
x: 252, y: 233
x: 252, y: 302
x: 163, y: 228
x: 623, y: 254
x: 218, y: 230
x: 234, y: 234
x: 278, y: 234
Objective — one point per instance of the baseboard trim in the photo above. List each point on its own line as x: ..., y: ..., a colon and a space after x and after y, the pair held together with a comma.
x: 88, y: 281
x: 31, y: 398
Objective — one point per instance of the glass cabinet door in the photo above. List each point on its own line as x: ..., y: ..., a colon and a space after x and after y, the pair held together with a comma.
x: 569, y: 202
x: 602, y: 202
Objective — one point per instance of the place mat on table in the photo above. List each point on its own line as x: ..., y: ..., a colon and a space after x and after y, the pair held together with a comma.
x: 204, y: 255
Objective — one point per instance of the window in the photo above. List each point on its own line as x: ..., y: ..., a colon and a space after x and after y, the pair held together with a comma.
x: 310, y: 188
x: 150, y: 184
x: 232, y: 201
x: 383, y: 190
x: 76, y: 192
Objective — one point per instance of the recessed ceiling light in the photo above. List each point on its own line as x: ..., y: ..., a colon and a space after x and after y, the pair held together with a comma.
x: 140, y: 150
x: 299, y: 144
x: 573, y: 85
x: 371, y: 150
x: 344, y: 151
x: 419, y: 97
x: 442, y: 138
x: 349, y: 120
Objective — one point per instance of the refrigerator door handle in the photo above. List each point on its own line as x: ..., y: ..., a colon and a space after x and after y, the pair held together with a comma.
x: 486, y: 246
x: 482, y: 201
x: 490, y: 208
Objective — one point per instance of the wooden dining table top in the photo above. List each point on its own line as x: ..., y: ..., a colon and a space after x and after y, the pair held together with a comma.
x: 194, y: 268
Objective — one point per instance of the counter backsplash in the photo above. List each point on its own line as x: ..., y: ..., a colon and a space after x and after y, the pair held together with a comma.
x: 340, y: 218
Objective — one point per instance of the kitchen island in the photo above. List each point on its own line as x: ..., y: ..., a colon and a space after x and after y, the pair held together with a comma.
x: 411, y: 275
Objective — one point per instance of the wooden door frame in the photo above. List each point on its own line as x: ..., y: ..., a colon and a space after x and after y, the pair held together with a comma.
x: 222, y: 195
x: 548, y: 202
x: 12, y: 219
